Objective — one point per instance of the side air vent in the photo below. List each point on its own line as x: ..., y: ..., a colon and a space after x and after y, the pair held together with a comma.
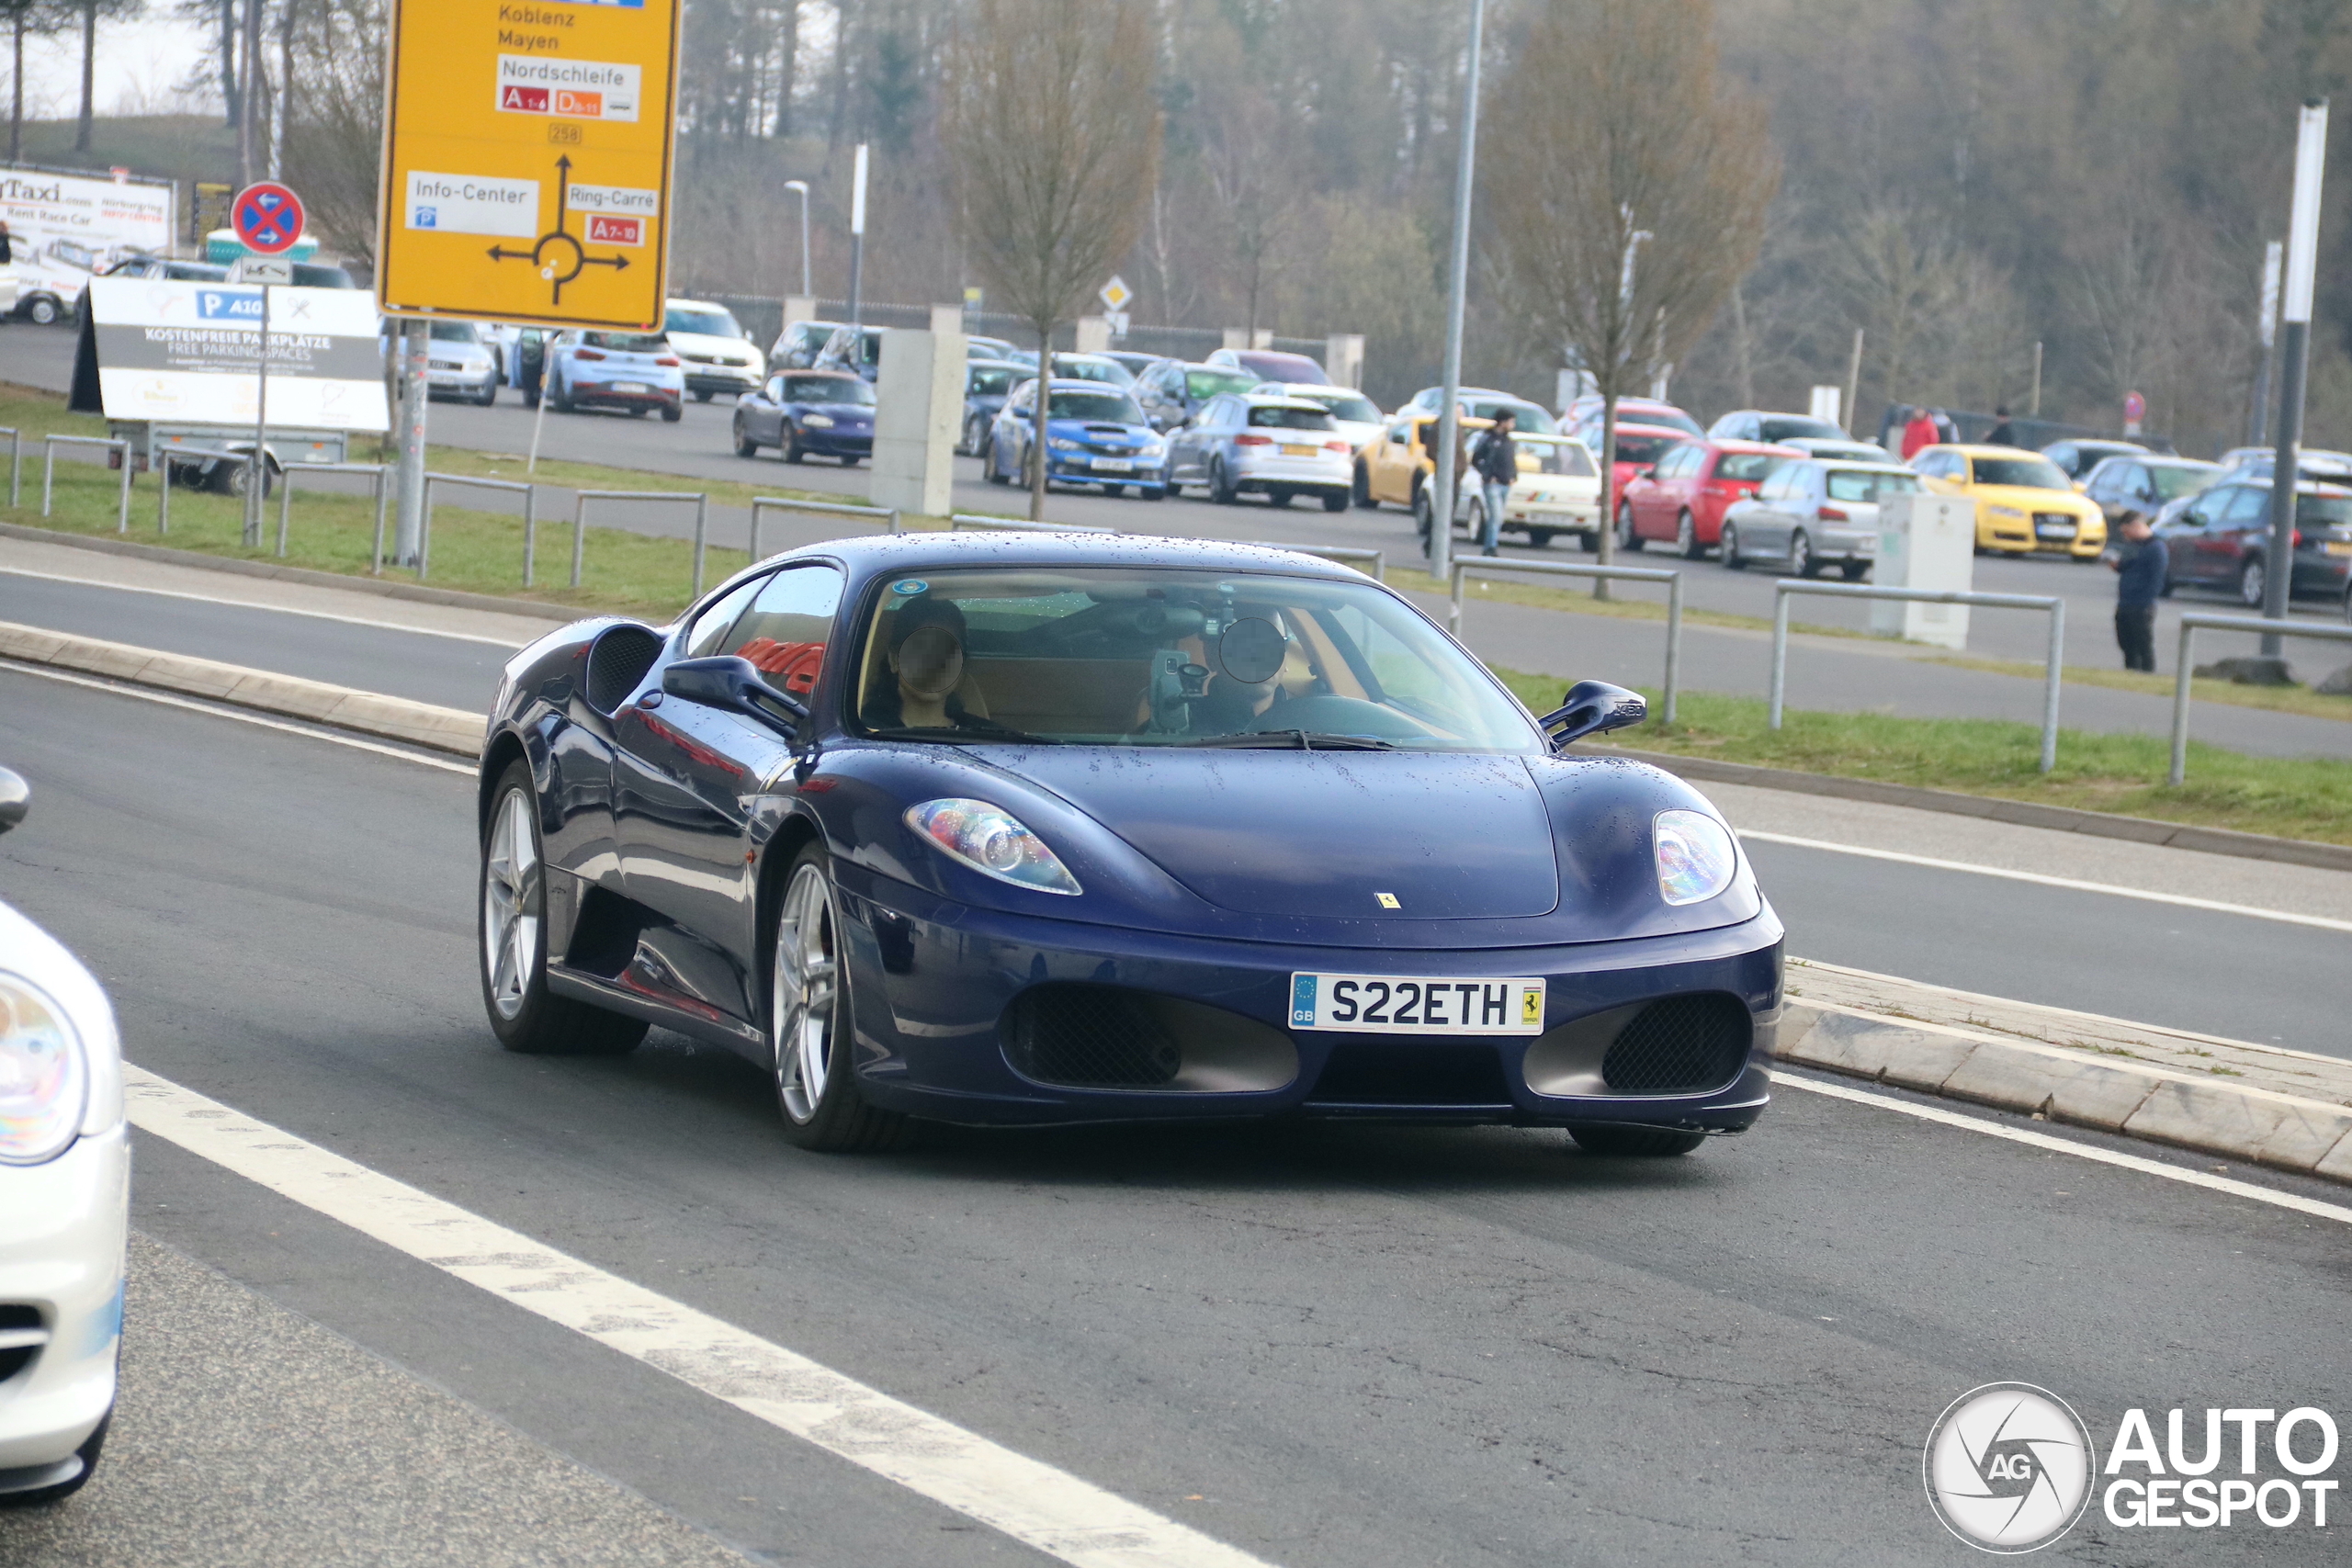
x: 618, y: 662
x: 1087, y: 1036
x: 22, y: 1336
x: 1679, y: 1045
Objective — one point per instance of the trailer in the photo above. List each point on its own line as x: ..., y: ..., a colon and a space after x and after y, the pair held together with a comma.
x: 217, y: 457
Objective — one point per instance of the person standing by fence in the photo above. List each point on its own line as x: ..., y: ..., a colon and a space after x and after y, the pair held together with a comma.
x: 1496, y: 457
x: 2140, y: 563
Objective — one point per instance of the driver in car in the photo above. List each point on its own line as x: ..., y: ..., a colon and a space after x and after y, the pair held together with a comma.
x: 929, y: 688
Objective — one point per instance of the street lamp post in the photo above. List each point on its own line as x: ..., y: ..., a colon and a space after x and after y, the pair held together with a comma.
x: 2294, y: 360
x: 800, y: 188
x: 1449, y: 427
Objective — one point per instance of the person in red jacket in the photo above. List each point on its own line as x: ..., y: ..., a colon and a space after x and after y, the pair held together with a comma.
x: 1919, y: 433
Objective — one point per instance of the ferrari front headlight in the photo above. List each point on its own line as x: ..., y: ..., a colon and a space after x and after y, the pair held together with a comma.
x: 1695, y: 854
x: 992, y: 842
x: 44, y: 1076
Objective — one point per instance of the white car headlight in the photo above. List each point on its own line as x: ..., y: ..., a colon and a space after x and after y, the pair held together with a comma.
x: 1695, y: 854
x: 992, y: 842
x: 2005, y: 511
x: 1063, y: 444
x: 44, y: 1076
x: 821, y: 421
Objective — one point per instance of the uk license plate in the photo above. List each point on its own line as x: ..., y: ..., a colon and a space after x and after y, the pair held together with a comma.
x: 2053, y: 530
x: 638, y: 387
x: 1291, y: 449
x: 1406, y: 1004
x: 1114, y: 465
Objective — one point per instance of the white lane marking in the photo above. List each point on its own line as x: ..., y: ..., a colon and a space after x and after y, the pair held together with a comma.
x: 169, y: 701
x: 2234, y: 1188
x: 1032, y: 1501
x: 2322, y: 922
x: 256, y: 604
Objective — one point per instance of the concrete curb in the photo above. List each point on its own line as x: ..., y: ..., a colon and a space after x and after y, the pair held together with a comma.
x: 2310, y: 1137
x: 2061, y: 818
x: 425, y: 724
x: 416, y: 592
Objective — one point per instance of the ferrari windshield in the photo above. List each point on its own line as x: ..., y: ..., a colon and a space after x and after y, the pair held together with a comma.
x: 1162, y: 657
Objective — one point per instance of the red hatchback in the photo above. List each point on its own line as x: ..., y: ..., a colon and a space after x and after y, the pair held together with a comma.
x: 1683, y: 497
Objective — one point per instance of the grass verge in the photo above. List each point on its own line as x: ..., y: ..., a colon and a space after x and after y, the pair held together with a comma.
x: 2287, y: 797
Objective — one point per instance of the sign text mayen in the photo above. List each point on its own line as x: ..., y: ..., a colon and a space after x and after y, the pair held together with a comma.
x: 527, y: 160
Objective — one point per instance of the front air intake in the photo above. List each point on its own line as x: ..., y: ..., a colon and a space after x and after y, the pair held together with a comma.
x: 1090, y: 1036
x: 1679, y: 1045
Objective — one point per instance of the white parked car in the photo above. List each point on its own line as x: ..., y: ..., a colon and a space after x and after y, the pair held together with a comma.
x: 720, y: 355
x: 459, y: 364
x: 65, y: 1207
x: 1557, y: 491
x: 1812, y: 512
x: 1277, y: 447
x: 1358, y: 417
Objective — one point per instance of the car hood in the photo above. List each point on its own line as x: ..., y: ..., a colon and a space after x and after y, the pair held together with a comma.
x: 1100, y: 430
x: 730, y: 349
x: 1446, y: 835
x: 2025, y: 497
x: 840, y: 413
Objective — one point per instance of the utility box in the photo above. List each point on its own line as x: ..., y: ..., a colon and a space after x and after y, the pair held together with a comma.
x: 1928, y: 542
x: 919, y: 398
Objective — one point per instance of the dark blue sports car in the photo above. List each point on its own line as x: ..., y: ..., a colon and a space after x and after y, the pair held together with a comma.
x: 1021, y: 829
x: 828, y: 413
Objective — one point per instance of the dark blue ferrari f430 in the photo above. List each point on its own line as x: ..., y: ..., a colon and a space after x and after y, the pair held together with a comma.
x: 1023, y: 828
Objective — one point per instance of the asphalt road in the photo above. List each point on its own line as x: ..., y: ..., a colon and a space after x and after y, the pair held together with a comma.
x: 700, y: 446
x: 1325, y: 1346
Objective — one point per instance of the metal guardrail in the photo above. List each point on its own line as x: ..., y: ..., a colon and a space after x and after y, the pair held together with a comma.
x: 2053, y: 666
x: 888, y: 516
x: 1491, y: 566
x: 285, y: 472
x: 424, y: 534
x: 162, y: 460
x: 49, y: 446
x: 16, y: 459
x: 1347, y: 555
x: 961, y: 520
x: 580, y: 522
x: 2189, y: 625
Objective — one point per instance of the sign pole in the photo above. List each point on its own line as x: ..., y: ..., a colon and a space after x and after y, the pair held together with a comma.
x: 257, y: 463
x: 2294, y: 360
x: 408, y: 535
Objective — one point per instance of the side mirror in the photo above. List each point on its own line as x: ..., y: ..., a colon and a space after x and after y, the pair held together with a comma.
x: 15, y: 795
x: 735, y: 685
x: 1591, y: 707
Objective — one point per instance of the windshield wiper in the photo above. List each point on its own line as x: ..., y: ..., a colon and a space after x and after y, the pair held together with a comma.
x: 1290, y: 740
x: 970, y: 731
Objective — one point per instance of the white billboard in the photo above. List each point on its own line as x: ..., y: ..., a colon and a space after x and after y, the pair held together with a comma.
x: 64, y: 228
x: 186, y: 354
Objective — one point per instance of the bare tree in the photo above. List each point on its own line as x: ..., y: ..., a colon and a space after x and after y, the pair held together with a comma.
x: 1628, y: 185
x: 90, y: 11
x: 36, y: 18
x: 335, y: 119
x: 1052, y: 132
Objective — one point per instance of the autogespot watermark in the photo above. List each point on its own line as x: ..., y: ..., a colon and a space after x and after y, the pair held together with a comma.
x: 2010, y: 1467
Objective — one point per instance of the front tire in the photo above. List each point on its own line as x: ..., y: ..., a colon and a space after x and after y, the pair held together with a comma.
x: 1634, y: 1143
x: 744, y: 445
x: 793, y: 453
x: 1221, y: 489
x: 1360, y: 490
x: 42, y: 311
x: 673, y: 413
x: 1801, y: 561
x: 1732, y: 559
x: 524, y: 1015
x: 2253, y: 582
x: 808, y: 1021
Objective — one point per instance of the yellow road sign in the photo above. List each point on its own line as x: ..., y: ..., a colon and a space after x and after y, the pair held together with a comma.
x: 527, y: 150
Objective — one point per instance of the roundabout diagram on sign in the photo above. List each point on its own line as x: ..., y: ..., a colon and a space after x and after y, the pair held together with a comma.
x: 559, y: 256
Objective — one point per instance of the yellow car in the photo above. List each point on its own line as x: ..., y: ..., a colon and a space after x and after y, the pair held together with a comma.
x: 2025, y: 504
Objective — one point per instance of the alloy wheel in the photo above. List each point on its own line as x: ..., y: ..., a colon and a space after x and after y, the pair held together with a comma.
x: 2252, y: 583
x: 511, y: 898
x: 804, y: 988
x: 1799, y: 555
